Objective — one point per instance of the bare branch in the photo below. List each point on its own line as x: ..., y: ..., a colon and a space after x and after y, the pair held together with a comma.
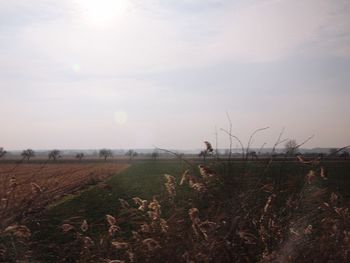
x: 216, y: 143
x: 178, y: 156
x: 252, y: 135
x: 278, y: 142
x: 230, y: 132
x: 233, y: 136
x: 339, y: 150
x: 308, y: 139
x: 262, y: 147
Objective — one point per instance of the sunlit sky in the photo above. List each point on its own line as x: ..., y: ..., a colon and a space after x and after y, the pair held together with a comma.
x: 138, y: 73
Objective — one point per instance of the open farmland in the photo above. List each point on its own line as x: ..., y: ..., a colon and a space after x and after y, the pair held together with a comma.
x: 228, y: 212
x: 28, y: 188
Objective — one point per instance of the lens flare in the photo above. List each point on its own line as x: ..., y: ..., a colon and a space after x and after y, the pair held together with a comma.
x: 76, y: 68
x: 121, y: 117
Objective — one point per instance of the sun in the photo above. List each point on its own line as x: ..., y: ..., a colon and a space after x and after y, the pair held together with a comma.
x: 102, y: 13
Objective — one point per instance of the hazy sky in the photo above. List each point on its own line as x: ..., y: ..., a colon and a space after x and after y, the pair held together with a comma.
x: 138, y: 73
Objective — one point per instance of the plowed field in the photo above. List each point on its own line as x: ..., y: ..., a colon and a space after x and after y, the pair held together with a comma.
x: 27, y: 188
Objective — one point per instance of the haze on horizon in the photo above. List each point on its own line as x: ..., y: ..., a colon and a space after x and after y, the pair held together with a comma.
x: 84, y: 74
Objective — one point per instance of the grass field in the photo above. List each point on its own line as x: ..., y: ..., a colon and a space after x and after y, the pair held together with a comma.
x: 142, y: 179
x: 241, y: 190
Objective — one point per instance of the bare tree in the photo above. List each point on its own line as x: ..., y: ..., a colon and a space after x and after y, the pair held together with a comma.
x: 80, y: 156
x: 291, y: 147
x: 54, y: 155
x: 105, y: 153
x: 2, y: 152
x: 27, y: 154
x: 229, y: 134
x: 252, y: 155
x: 155, y: 155
x: 344, y: 154
x: 131, y: 154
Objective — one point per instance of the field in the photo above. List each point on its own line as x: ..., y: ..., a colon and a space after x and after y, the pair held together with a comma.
x: 220, y: 212
x: 35, y: 185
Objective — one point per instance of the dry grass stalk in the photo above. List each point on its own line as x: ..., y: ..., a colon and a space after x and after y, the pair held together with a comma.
x: 200, y: 228
x: 209, y: 148
x: 206, y: 172
x: 113, y: 228
x: 67, y: 227
x: 155, y: 212
x: 19, y: 231
x: 185, y: 177
x: 199, y: 187
x: 131, y: 256
x: 151, y: 244
x: 13, y: 183
x: 84, y: 226
x: 145, y: 228
x: 88, y: 242
x: 120, y: 245
x: 111, y: 220
x: 143, y: 204
x: 311, y: 176
x: 36, y: 189
x: 124, y: 204
x: 170, y: 186
x: 164, y: 225
x: 323, y: 174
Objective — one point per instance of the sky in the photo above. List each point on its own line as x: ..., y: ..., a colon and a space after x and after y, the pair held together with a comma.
x: 84, y: 74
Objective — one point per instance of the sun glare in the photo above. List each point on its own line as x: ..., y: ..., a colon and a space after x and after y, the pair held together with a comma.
x: 121, y: 117
x: 103, y: 13
x: 76, y: 68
